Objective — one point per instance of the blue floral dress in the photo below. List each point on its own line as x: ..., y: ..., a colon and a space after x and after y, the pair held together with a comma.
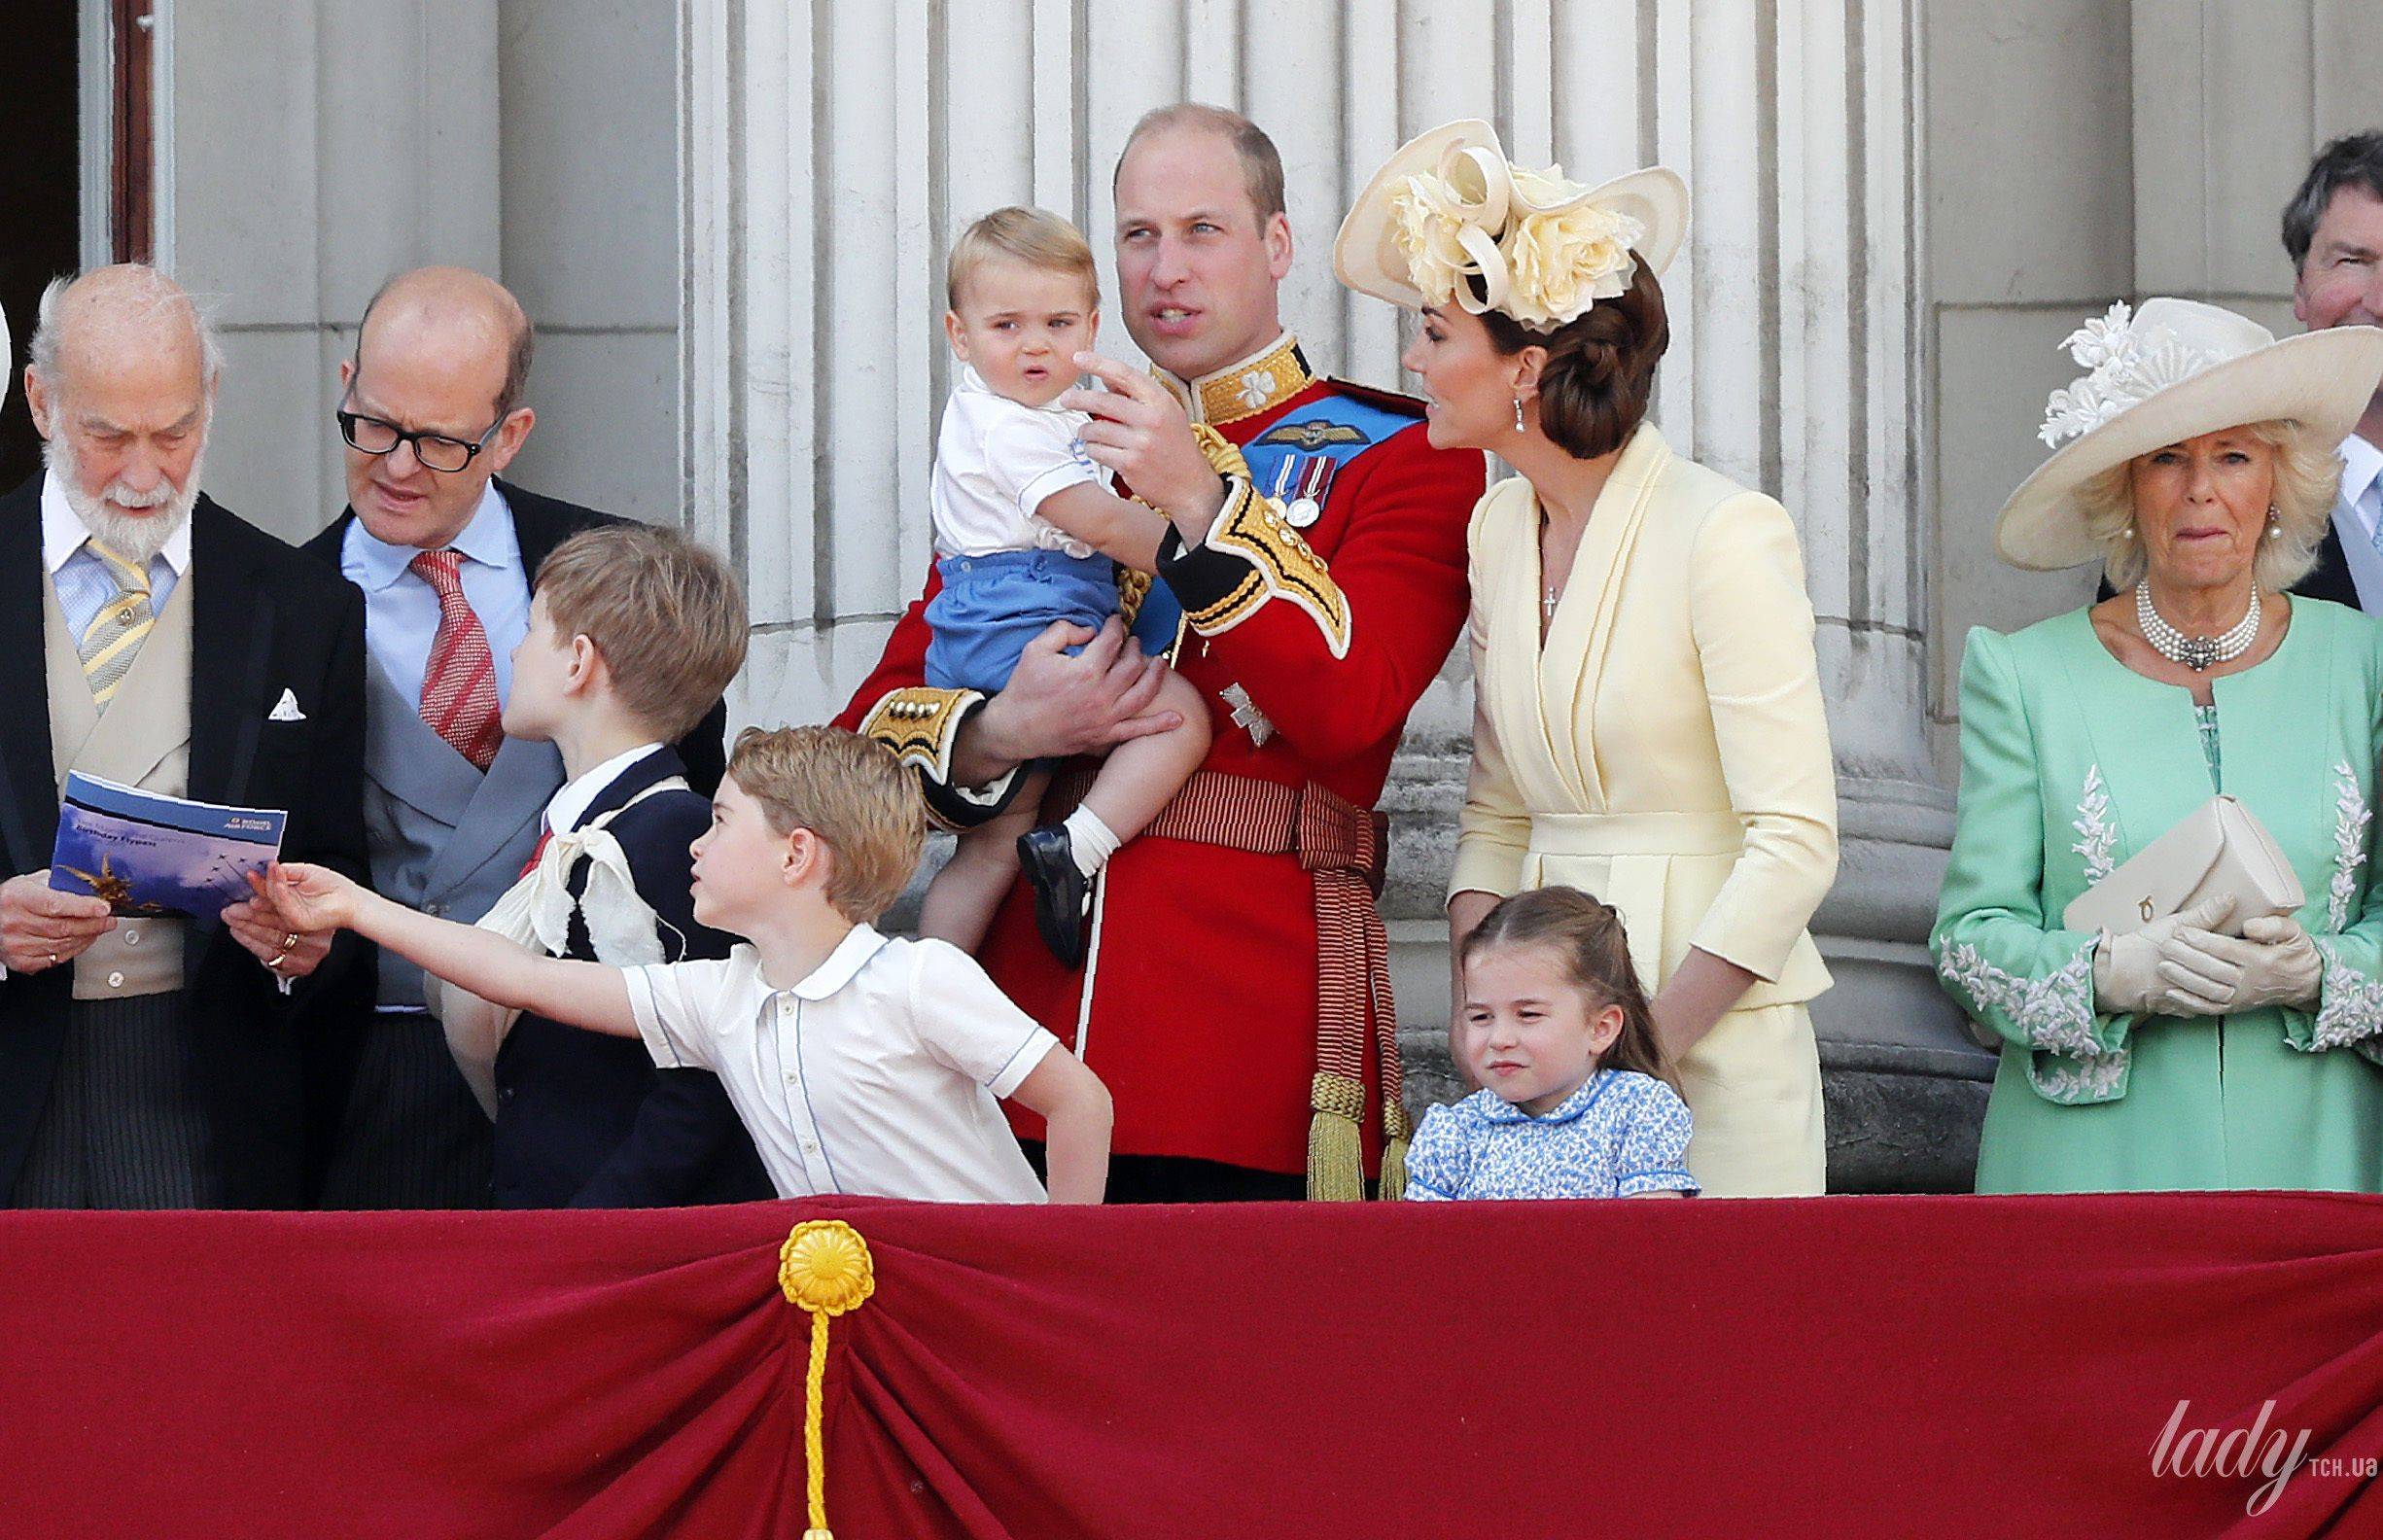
x: 1621, y: 1133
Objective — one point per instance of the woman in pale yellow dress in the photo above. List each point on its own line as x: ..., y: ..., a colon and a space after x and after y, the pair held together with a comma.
x: 1648, y: 722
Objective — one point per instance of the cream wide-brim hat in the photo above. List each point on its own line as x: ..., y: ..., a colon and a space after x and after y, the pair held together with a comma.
x: 1366, y: 254
x: 2319, y: 380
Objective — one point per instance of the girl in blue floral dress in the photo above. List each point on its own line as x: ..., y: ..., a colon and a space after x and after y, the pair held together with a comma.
x: 1576, y: 1101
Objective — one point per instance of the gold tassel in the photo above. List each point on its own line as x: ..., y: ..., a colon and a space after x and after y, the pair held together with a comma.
x: 1396, y: 1127
x: 1336, y: 1156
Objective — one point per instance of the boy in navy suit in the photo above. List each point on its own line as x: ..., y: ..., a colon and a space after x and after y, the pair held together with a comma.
x: 633, y: 632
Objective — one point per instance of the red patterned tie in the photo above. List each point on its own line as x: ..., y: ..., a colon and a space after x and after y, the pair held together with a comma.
x: 459, y: 688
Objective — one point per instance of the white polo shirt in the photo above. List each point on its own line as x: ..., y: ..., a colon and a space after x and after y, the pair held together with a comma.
x: 879, y: 1074
x: 996, y: 460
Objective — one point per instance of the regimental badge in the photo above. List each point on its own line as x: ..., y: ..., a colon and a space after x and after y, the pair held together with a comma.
x: 1302, y: 482
x: 1316, y: 432
x: 1246, y: 715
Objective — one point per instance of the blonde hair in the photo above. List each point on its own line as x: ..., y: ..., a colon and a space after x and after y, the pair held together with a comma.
x: 849, y: 791
x: 666, y: 613
x: 1030, y: 236
x: 2307, y: 480
x: 1589, y: 937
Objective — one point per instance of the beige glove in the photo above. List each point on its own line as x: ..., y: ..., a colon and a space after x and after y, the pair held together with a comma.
x: 2127, y: 977
x: 2274, y: 964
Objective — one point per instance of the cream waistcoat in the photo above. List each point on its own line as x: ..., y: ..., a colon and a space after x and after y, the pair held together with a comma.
x: 142, y: 740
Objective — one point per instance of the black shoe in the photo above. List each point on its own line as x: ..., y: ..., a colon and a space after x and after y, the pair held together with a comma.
x: 1060, y: 891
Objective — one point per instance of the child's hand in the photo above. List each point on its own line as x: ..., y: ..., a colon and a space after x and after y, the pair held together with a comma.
x: 303, y: 898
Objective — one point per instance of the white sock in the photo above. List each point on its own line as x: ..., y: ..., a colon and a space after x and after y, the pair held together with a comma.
x: 1088, y: 841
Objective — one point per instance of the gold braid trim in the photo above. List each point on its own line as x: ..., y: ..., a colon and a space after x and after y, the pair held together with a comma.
x: 824, y: 1269
x: 1284, y: 566
x: 919, y: 724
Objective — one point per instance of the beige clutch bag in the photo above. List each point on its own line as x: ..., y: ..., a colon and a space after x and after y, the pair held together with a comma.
x: 2216, y: 850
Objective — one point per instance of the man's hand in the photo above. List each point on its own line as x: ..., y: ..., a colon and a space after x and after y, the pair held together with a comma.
x: 1138, y: 431
x: 1056, y: 706
x: 286, y: 952
x: 41, y: 927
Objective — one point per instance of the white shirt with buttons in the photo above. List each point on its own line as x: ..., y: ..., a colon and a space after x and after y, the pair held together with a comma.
x: 880, y: 1073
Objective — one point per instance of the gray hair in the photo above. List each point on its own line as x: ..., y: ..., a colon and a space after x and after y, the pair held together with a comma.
x: 2352, y: 161
x: 41, y: 349
x: 2307, y: 480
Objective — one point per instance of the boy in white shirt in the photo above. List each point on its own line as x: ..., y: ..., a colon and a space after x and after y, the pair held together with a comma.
x: 1027, y: 532
x: 860, y: 1063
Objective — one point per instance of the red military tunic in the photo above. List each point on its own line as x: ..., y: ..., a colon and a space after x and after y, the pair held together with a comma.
x: 1198, y: 1003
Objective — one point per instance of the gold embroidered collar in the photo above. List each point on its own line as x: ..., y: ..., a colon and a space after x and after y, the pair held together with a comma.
x: 1264, y: 379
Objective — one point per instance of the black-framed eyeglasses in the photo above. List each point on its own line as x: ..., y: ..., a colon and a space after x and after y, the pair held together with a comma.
x: 436, y: 451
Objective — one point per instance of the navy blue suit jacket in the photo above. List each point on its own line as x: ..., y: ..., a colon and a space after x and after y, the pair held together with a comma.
x: 584, y: 1120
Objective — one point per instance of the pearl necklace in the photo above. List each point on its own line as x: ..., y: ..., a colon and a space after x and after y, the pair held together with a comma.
x: 2197, y: 653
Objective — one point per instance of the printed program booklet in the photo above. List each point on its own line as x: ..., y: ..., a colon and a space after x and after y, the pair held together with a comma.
x: 151, y: 855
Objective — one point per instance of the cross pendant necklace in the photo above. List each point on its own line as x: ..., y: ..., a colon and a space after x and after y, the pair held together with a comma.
x: 1547, y: 606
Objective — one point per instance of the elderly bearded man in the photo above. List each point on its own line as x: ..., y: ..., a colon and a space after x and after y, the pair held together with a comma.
x: 157, y: 641
x: 1236, y: 998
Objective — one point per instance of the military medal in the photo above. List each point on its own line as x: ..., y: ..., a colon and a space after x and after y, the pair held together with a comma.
x: 1301, y: 484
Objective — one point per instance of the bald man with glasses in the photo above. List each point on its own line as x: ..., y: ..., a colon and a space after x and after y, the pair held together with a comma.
x: 433, y: 409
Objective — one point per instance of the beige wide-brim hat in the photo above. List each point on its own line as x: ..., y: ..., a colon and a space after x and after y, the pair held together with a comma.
x: 2209, y: 369
x: 1366, y: 254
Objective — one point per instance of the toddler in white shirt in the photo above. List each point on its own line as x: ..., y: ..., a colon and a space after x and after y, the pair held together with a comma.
x: 1027, y: 532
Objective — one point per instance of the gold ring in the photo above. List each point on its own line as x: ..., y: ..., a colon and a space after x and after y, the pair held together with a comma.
x: 288, y: 943
x: 54, y: 959
x: 274, y: 963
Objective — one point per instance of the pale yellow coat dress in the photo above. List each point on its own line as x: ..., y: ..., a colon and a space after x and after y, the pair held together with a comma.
x: 1668, y: 752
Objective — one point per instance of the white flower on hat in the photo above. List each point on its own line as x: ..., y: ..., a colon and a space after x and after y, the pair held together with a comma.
x: 2125, y: 363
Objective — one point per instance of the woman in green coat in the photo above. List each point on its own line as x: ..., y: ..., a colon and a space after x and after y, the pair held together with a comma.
x: 2201, y: 1051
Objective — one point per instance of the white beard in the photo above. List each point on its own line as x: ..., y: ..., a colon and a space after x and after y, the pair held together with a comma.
x: 135, y: 537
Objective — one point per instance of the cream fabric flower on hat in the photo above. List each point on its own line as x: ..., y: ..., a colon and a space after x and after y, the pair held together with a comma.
x: 1449, y: 217
x: 1543, y: 250
x: 1565, y: 262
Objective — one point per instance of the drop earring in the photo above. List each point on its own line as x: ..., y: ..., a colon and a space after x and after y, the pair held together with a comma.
x: 2275, y: 525
x: 2127, y: 532
x: 1518, y: 415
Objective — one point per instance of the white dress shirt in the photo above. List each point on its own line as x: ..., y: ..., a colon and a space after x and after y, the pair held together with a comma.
x: 401, y: 608
x: 82, y: 581
x: 2357, y: 516
x: 570, y: 805
x: 996, y: 460
x: 878, y: 1073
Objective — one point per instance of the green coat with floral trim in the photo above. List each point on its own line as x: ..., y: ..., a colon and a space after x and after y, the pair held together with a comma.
x: 2070, y: 763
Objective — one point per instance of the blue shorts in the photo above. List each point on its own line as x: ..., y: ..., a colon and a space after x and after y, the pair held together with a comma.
x: 990, y: 607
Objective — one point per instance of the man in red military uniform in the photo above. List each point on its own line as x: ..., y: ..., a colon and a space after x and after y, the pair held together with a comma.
x: 1236, y: 995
